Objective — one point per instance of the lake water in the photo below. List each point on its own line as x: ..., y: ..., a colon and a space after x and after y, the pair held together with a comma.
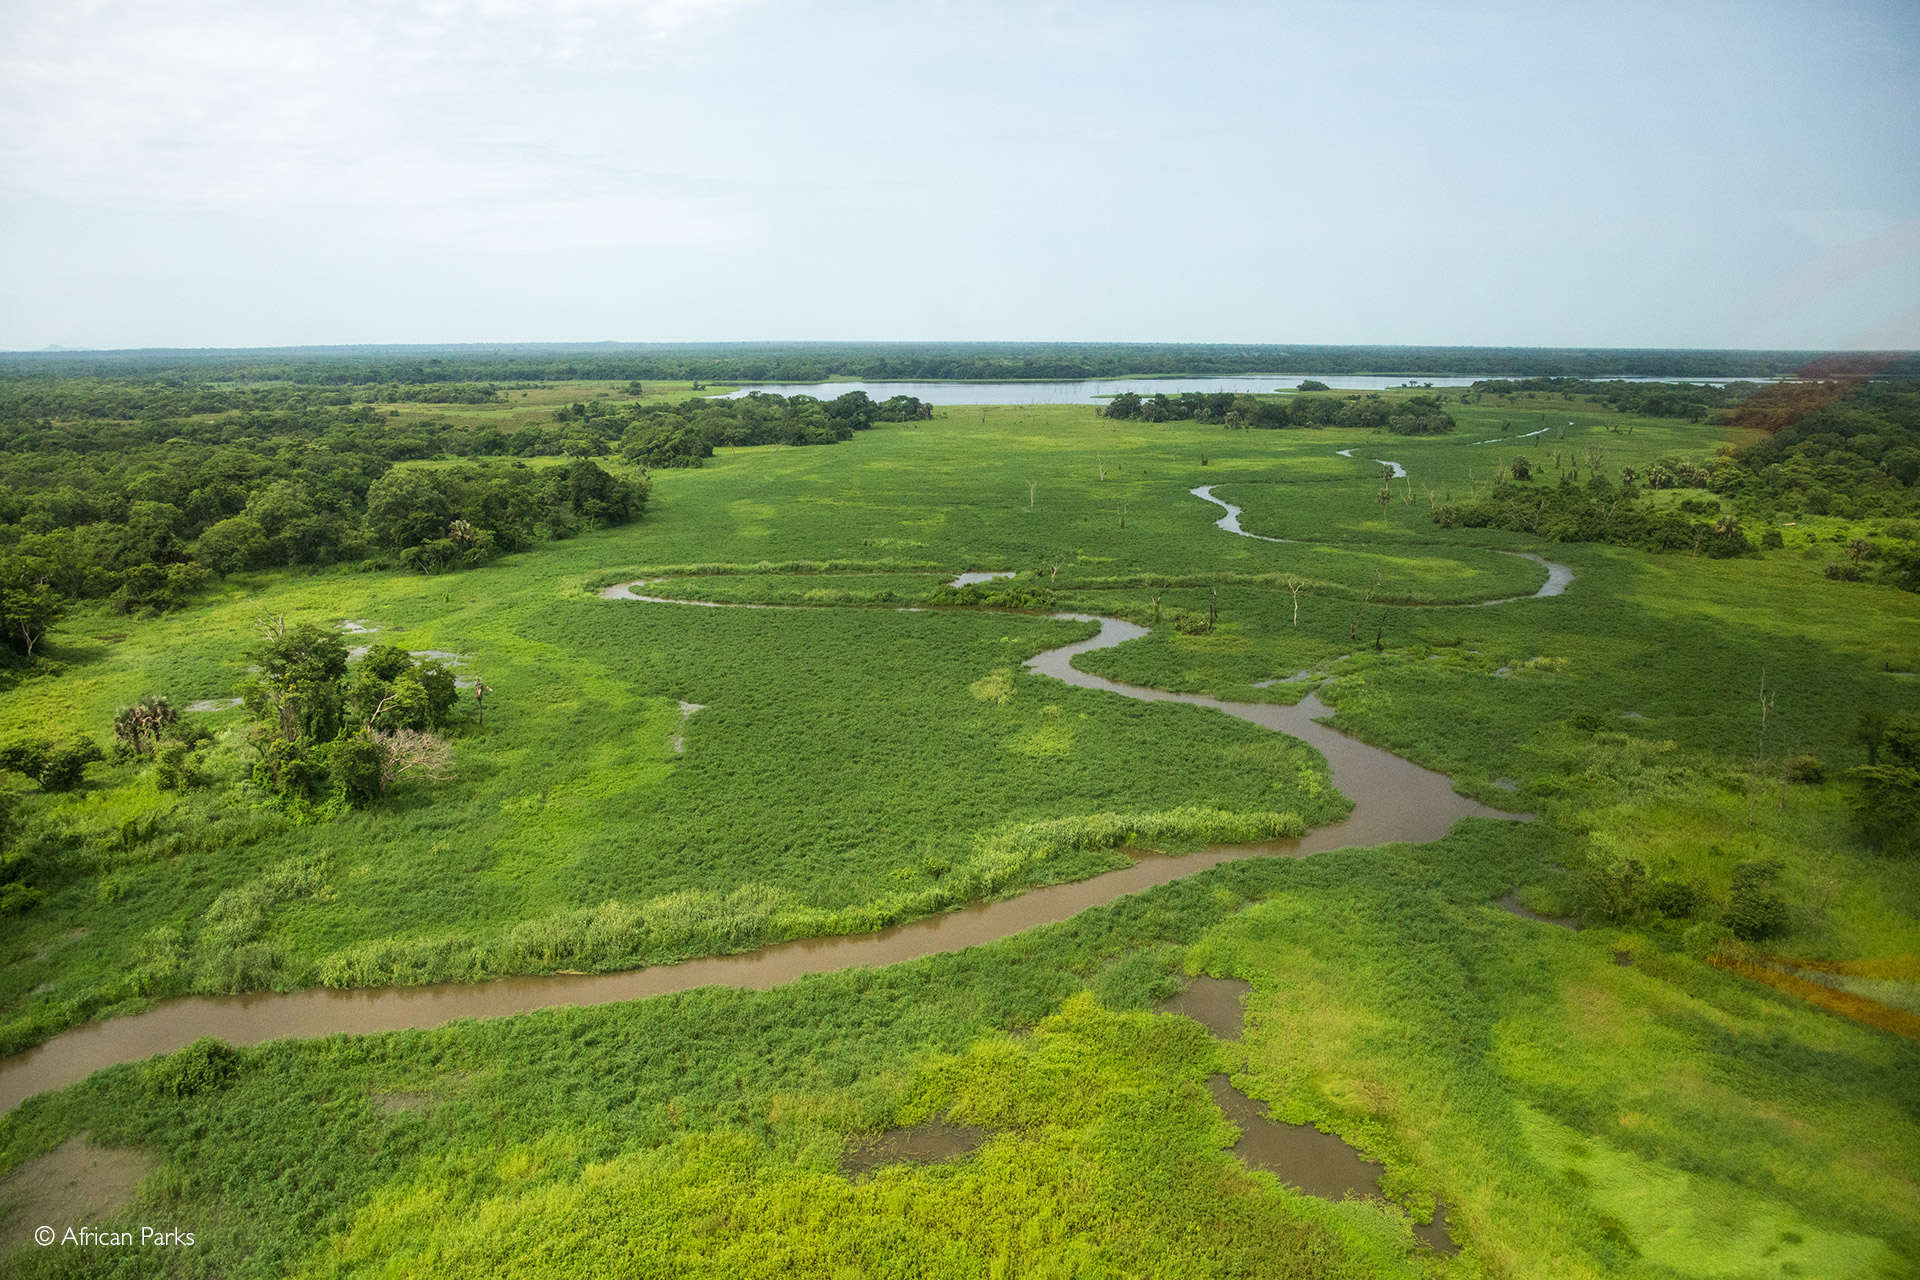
x: 1094, y: 391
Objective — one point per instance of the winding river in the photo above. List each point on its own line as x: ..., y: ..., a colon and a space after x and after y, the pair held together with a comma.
x: 1395, y: 800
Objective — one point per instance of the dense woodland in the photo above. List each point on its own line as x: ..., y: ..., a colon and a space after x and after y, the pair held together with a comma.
x: 818, y: 361
x: 140, y: 512
x: 1692, y: 401
x: 686, y: 433
x: 1413, y: 416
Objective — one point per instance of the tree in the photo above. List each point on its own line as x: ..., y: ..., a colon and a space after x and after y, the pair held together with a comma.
x: 298, y: 688
x: 1888, y: 803
x: 28, y: 611
x: 1870, y: 730
x: 407, y: 752
x: 140, y: 725
x: 1755, y: 909
x: 405, y: 508
x: 236, y: 543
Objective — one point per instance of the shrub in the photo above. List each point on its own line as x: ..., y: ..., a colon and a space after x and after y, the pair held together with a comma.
x: 1191, y: 624
x: 1609, y: 884
x: 355, y: 770
x: 201, y: 1067
x: 174, y: 768
x: 65, y: 766
x: 1809, y: 769
x: 1674, y: 899
x: 1755, y: 909
x: 1772, y: 540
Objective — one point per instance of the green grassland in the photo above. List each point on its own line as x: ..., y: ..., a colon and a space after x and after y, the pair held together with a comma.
x: 853, y: 764
x: 842, y: 775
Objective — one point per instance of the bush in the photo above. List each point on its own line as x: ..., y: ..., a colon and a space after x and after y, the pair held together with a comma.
x: 174, y: 768
x: 1809, y: 769
x: 1755, y: 909
x: 1772, y: 540
x: 1191, y: 624
x: 1844, y: 572
x: 355, y: 770
x: 65, y: 766
x: 1674, y: 899
x: 1609, y: 884
x: 201, y: 1067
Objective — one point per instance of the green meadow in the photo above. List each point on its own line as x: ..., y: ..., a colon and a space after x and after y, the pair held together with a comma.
x: 1594, y: 1103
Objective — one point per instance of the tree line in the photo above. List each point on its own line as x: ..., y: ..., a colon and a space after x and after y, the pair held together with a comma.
x: 1414, y: 415
x: 904, y: 361
x: 41, y: 401
x: 1692, y: 401
x: 685, y: 434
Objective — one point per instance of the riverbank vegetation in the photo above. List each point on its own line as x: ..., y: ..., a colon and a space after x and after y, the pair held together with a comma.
x: 1576, y: 1115
x: 658, y: 781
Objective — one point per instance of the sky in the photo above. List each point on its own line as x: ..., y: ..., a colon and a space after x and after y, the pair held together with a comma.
x: 189, y: 173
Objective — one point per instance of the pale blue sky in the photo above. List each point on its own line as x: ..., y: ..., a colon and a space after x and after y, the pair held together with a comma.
x: 1673, y: 174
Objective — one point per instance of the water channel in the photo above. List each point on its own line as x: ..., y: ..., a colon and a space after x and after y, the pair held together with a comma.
x: 1394, y: 800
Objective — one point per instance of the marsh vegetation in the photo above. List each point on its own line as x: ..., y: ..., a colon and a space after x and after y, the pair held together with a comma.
x: 1716, y: 750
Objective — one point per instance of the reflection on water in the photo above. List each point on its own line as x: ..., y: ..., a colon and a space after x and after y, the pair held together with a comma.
x: 1095, y: 390
x: 1319, y: 1164
x: 932, y: 1142
x: 1214, y: 1003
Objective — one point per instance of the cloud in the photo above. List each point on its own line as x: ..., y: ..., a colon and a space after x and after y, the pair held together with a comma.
x: 444, y: 118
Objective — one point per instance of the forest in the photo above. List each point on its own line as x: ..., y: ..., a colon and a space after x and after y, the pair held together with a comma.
x: 878, y: 361
x: 684, y: 434
x: 1415, y: 415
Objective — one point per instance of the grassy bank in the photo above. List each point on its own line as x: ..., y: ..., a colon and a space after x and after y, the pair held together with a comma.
x: 1578, y: 1116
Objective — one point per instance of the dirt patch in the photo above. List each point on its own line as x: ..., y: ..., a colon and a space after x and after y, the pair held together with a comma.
x: 396, y: 1102
x: 933, y: 1142
x: 74, y: 1183
x: 1214, y: 1003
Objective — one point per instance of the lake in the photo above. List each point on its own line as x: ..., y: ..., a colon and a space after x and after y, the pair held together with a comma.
x: 1094, y: 391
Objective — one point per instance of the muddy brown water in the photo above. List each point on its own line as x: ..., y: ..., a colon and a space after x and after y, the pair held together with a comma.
x: 1319, y: 1164
x: 1395, y: 800
x: 71, y: 1185
x: 1214, y: 1003
x: 932, y: 1142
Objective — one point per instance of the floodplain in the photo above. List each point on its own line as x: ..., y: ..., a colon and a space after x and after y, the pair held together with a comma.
x: 656, y: 783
